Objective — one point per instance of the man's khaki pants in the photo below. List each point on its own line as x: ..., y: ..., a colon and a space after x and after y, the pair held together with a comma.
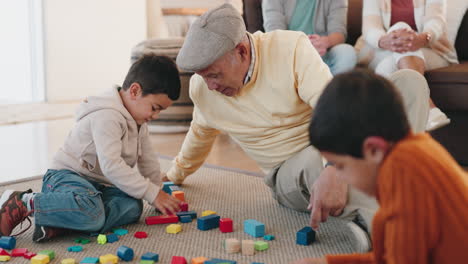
x: 291, y: 181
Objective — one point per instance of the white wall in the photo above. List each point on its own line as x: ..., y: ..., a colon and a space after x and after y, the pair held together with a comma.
x: 87, y: 44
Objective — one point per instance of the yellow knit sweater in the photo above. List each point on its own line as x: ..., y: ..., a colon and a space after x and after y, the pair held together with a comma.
x: 269, y: 117
x: 423, y: 217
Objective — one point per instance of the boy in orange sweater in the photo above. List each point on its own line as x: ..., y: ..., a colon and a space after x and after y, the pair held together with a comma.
x: 360, y: 126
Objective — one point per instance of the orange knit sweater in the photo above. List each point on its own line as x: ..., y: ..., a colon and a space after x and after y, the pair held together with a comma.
x: 423, y: 217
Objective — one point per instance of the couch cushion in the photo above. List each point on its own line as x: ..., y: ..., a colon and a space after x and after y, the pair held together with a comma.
x: 449, y: 86
x: 461, y: 44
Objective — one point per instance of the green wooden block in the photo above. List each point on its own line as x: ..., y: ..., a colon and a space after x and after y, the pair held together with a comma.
x: 144, y: 261
x: 49, y: 253
x: 261, y: 245
x: 102, y: 239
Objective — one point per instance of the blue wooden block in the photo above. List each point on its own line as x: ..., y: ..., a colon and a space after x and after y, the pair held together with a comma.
x: 269, y: 237
x: 166, y: 186
x: 174, y: 188
x: 216, y: 260
x: 150, y: 256
x: 89, y: 260
x: 192, y: 214
x: 7, y: 242
x: 208, y: 222
x: 111, y: 238
x: 185, y: 219
x: 125, y: 253
x: 305, y: 236
x: 75, y: 249
x: 120, y: 231
x: 254, y: 228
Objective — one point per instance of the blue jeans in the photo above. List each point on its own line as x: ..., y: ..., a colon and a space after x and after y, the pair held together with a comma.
x: 341, y: 58
x: 70, y: 201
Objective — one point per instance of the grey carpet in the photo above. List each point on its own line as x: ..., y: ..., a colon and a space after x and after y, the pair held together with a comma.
x: 231, y: 194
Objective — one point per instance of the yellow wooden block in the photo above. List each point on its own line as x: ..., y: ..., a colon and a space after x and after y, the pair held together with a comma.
x: 199, y: 260
x: 109, y: 258
x: 4, y: 258
x: 179, y: 195
x: 40, y: 259
x: 207, y: 212
x: 173, y: 228
x: 68, y: 261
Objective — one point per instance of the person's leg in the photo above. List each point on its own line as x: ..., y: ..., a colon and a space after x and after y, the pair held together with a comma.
x: 121, y: 209
x: 415, y: 92
x: 341, y: 58
x: 68, y: 201
x: 386, y: 66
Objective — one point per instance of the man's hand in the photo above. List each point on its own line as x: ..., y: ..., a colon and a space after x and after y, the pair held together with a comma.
x: 320, y: 43
x: 166, y: 204
x: 310, y: 261
x: 329, y: 196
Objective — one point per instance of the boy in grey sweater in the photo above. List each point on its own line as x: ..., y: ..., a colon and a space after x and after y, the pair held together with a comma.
x: 106, y: 166
x: 323, y: 21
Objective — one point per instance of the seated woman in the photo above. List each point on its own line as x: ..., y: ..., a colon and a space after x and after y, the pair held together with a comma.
x: 324, y: 21
x: 407, y: 34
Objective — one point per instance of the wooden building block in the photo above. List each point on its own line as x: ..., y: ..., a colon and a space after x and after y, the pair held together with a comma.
x: 208, y: 222
x: 248, y: 247
x: 102, y: 239
x: 208, y: 212
x: 180, y: 195
x: 109, y: 258
x: 254, y: 228
x: 225, y: 225
x: 305, y: 236
x: 40, y: 259
x: 232, y: 245
x: 261, y: 245
x: 7, y: 242
x: 161, y: 219
x: 173, y: 228
x: 68, y: 261
x: 4, y: 258
x: 178, y: 260
x: 199, y: 260
x: 184, y: 207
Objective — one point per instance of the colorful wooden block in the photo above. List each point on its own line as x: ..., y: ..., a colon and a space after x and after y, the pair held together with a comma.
x: 269, y: 237
x: 174, y: 188
x: 102, y: 239
x: 232, y: 245
x: 75, y: 249
x: 120, y: 231
x: 144, y: 261
x: 261, y: 245
x: 173, y: 228
x: 89, y: 260
x: 254, y: 228
x: 166, y: 186
x: 40, y: 259
x: 4, y: 252
x: 19, y: 252
x: 178, y: 260
x: 29, y: 255
x: 161, y: 219
x: 219, y: 261
x: 208, y: 212
x: 111, y: 238
x: 199, y: 260
x: 109, y: 258
x: 192, y: 214
x: 140, y: 234
x: 248, y: 247
x: 225, y: 225
x: 150, y: 256
x: 68, y: 261
x: 183, y: 207
x: 125, y: 253
x: 4, y: 258
x: 305, y: 236
x: 180, y: 195
x: 185, y: 219
x: 49, y: 253
x: 208, y: 222
x: 82, y: 241
x: 7, y: 242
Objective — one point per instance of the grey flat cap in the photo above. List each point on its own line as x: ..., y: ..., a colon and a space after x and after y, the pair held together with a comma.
x: 213, y: 34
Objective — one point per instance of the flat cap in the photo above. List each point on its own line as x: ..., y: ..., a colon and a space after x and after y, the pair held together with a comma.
x: 213, y: 34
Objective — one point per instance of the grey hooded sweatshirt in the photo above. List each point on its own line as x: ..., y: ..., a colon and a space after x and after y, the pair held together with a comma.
x: 105, y: 146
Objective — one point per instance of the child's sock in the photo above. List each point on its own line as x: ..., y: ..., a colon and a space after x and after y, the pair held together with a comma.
x: 28, y: 199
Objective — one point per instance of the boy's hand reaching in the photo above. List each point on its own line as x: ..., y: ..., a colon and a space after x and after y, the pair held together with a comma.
x: 166, y: 204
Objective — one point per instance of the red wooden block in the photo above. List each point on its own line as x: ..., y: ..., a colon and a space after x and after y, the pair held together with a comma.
x: 225, y: 225
x: 29, y: 255
x: 178, y: 260
x: 4, y: 252
x: 19, y: 252
x: 161, y: 219
x: 141, y: 234
x: 183, y: 207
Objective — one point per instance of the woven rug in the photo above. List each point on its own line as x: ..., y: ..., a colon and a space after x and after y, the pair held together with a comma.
x: 231, y: 194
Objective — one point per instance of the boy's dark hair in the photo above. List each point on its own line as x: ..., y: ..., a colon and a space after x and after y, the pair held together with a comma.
x: 354, y: 106
x: 156, y: 75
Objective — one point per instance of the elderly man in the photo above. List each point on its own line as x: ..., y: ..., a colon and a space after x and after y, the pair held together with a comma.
x: 261, y: 89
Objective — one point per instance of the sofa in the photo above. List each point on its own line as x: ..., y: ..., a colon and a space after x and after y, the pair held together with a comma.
x: 448, y: 86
